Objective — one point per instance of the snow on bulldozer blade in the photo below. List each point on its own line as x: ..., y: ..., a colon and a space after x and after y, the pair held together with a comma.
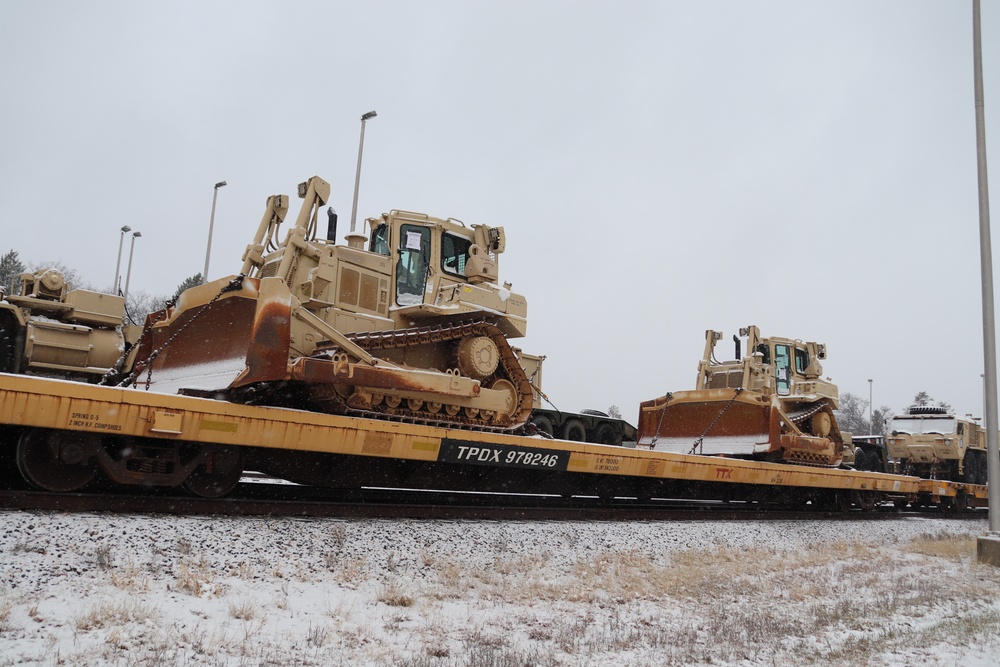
x: 733, y: 445
x: 714, y: 421
x: 207, y: 377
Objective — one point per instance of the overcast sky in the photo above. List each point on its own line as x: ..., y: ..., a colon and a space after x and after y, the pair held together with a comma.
x: 660, y: 168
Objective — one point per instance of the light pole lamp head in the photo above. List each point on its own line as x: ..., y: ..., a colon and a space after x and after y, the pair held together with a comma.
x: 126, y: 228
x: 136, y: 235
x: 370, y: 114
x: 220, y: 184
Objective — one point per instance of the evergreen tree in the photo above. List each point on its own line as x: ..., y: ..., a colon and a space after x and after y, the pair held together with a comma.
x: 10, y: 268
x: 188, y: 283
x: 923, y: 398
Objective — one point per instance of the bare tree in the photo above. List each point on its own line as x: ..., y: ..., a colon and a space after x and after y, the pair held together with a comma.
x: 853, y: 413
x: 140, y: 304
x: 613, y: 411
x: 853, y: 416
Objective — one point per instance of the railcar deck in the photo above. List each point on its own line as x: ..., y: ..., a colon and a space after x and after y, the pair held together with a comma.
x: 345, y: 451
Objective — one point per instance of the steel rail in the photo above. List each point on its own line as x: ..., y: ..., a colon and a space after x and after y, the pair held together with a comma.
x: 290, y: 501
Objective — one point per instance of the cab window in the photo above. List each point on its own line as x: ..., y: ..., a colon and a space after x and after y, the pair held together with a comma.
x: 801, y: 361
x: 454, y: 254
x: 411, y: 270
x: 379, y: 243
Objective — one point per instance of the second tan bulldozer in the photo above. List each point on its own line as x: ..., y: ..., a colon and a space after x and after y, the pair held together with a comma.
x: 771, y: 404
x: 413, y: 328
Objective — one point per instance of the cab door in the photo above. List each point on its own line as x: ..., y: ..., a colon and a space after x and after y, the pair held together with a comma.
x: 413, y: 265
x: 783, y: 369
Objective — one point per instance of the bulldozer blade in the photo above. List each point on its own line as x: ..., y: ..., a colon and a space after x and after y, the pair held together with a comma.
x: 712, y: 421
x: 267, y: 351
x: 192, y: 355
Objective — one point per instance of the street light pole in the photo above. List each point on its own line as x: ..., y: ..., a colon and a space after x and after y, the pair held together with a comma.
x: 211, y: 226
x: 118, y: 264
x: 128, y: 274
x: 988, y: 546
x: 871, y: 423
x: 357, y: 176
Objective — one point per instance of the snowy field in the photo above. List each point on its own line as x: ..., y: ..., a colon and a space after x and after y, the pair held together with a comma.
x: 98, y: 589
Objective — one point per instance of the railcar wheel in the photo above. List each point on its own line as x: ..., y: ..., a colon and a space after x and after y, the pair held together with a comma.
x: 865, y: 500
x: 961, y: 502
x: 57, y: 461
x: 219, y: 474
x: 837, y: 501
x: 900, y: 503
x: 574, y: 430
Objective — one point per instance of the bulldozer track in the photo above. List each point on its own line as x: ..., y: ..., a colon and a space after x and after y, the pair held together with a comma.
x: 508, y: 368
x: 802, y: 415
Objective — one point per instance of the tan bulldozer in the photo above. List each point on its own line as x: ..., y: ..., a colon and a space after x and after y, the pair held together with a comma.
x: 771, y: 404
x: 413, y: 328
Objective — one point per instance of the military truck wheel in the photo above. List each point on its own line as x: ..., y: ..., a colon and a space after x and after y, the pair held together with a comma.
x: 6, y: 348
x: 860, y: 459
x: 983, y: 468
x: 544, y: 425
x: 574, y: 430
x: 970, y: 468
x: 605, y: 434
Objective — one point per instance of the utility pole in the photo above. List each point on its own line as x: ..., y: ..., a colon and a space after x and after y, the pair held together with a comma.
x: 988, y: 547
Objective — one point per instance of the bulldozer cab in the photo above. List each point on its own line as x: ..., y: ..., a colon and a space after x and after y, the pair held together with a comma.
x: 780, y: 366
x: 417, y: 269
x: 442, y: 267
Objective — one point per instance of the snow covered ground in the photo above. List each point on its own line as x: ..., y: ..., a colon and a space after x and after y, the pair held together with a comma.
x: 97, y: 589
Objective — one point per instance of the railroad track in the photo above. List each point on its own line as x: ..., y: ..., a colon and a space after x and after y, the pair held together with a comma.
x: 257, y: 499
